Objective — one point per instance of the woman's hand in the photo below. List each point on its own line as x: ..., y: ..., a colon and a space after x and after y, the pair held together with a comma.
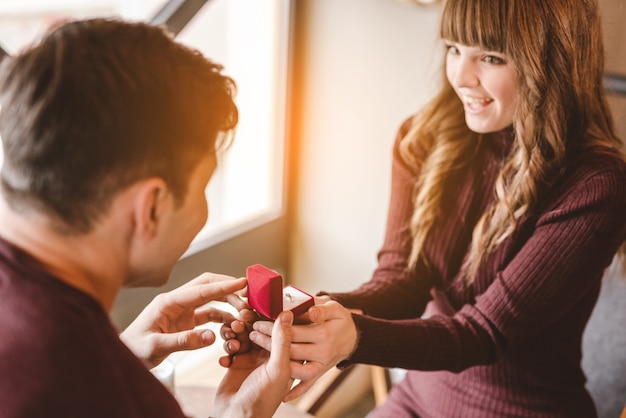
x: 329, y: 337
x: 167, y: 324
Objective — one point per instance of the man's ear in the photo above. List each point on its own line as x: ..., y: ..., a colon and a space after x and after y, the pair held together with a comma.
x: 151, y: 203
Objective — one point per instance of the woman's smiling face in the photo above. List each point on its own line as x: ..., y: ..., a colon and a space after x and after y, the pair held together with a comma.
x: 487, y: 84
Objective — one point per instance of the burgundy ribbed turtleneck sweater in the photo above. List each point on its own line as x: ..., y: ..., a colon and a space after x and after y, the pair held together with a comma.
x: 509, y: 345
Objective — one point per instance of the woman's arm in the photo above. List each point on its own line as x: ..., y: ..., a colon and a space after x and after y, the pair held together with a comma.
x: 558, y: 265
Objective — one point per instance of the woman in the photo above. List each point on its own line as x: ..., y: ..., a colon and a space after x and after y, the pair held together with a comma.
x: 508, y: 202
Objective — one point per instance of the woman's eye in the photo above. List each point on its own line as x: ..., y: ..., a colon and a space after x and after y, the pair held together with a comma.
x: 452, y: 49
x: 492, y: 59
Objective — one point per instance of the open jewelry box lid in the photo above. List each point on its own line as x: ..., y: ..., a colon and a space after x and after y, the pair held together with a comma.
x: 267, y: 296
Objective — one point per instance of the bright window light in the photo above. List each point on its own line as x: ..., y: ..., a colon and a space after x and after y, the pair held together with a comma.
x: 250, y: 39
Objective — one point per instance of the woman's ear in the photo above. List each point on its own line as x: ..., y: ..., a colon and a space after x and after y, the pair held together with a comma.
x: 151, y: 202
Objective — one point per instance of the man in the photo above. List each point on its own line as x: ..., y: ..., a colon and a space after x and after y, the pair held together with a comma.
x: 110, y: 133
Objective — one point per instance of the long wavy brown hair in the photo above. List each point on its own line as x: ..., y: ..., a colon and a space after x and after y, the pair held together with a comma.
x: 557, y: 49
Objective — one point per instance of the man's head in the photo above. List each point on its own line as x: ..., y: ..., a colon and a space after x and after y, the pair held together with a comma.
x: 98, y: 105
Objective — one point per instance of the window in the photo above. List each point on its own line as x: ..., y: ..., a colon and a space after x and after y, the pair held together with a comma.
x: 250, y: 38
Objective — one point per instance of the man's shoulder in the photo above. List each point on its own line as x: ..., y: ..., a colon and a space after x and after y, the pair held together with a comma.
x: 48, y: 327
x: 64, y: 360
x: 41, y: 320
x: 36, y: 302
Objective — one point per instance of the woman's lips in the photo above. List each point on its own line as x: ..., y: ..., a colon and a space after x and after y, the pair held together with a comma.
x: 476, y: 104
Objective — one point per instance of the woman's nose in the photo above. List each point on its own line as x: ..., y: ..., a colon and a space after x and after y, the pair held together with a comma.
x: 462, y: 73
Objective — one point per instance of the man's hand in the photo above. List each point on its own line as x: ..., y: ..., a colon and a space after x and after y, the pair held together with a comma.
x: 257, y: 381
x: 167, y: 324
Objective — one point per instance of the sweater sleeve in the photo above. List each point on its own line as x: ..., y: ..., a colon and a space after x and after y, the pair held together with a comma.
x: 392, y: 292
x: 563, y: 258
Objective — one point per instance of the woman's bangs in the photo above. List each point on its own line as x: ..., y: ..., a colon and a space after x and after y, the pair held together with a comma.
x: 480, y: 23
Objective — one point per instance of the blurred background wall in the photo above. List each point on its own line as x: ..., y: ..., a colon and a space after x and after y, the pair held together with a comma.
x: 362, y: 67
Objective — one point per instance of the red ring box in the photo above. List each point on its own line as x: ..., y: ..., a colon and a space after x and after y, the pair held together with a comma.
x: 267, y: 296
